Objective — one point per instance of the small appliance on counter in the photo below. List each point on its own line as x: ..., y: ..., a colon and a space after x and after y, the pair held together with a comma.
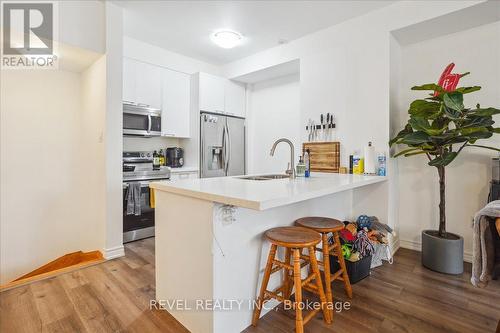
x: 138, y: 169
x: 175, y: 157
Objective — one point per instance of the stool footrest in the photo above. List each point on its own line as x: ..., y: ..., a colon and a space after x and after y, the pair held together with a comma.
x: 270, y: 294
x: 308, y: 279
x: 310, y: 288
x: 310, y: 315
x: 336, y: 275
x: 280, y: 265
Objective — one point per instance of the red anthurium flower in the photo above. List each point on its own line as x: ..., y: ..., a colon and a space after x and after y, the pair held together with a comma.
x: 448, y: 81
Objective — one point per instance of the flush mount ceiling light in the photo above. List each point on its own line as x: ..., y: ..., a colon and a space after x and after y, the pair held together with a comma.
x: 226, y: 39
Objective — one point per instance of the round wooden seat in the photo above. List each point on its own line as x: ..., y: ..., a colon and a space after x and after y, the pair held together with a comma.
x: 320, y: 224
x: 293, y: 237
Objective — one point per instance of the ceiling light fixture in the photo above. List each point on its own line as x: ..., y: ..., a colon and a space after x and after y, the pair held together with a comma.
x: 226, y: 39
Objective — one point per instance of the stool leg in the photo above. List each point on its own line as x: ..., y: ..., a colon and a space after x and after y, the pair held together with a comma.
x: 345, y: 277
x: 263, y: 287
x: 287, y: 282
x: 299, y: 323
x: 326, y: 269
x: 322, y: 298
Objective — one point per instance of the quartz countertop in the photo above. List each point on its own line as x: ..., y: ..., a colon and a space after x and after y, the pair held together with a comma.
x: 265, y: 194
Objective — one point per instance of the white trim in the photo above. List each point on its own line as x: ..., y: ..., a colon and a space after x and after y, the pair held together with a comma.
x: 417, y: 246
x: 114, y: 252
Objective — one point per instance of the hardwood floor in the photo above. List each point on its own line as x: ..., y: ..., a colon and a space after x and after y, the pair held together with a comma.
x: 114, y: 297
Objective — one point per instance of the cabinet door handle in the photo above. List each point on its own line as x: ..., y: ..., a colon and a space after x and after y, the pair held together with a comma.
x: 143, y: 104
x: 168, y: 134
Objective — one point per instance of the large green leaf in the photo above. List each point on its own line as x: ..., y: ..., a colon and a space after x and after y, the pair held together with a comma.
x: 451, y: 113
x: 485, y: 112
x: 416, y: 138
x: 454, y: 100
x: 400, y: 135
x: 443, y: 160
x: 429, y: 86
x: 406, y: 151
x: 470, y: 130
x: 479, y: 135
x: 423, y: 108
x: 419, y: 123
x: 477, y: 121
x: 466, y: 90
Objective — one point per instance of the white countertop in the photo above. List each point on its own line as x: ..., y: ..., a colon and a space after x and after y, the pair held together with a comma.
x: 264, y: 194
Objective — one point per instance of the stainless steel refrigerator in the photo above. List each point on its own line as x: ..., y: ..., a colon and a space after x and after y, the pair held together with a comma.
x: 222, y: 145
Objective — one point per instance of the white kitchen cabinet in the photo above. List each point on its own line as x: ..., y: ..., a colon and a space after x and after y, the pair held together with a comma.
x: 175, y: 118
x: 142, y: 83
x: 129, y: 80
x: 148, y: 86
x: 211, y: 93
x: 235, y: 98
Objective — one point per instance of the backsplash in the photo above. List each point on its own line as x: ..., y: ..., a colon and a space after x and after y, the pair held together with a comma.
x: 148, y: 144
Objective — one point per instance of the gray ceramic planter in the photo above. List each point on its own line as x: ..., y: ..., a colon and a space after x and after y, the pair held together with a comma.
x: 444, y: 255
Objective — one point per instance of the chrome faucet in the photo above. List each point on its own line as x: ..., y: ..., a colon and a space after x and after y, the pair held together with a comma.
x: 291, y: 169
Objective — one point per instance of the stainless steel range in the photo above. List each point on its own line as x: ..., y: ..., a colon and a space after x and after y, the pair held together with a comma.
x: 138, y: 168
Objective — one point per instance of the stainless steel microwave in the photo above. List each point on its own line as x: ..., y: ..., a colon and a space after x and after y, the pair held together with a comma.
x: 141, y: 121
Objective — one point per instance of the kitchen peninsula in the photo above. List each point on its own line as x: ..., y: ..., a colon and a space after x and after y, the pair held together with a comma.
x: 209, y: 249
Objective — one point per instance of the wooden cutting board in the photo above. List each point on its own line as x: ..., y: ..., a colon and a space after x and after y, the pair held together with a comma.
x: 324, y: 156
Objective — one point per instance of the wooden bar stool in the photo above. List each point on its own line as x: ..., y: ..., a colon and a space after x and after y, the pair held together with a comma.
x: 294, y: 239
x: 324, y: 226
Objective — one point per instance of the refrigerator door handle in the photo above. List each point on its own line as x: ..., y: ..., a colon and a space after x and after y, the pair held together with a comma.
x: 202, y: 150
x: 224, y: 148
x: 228, y: 154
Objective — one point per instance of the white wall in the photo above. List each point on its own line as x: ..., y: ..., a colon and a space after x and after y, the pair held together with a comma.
x: 52, y: 166
x: 478, y: 51
x: 273, y: 112
x: 82, y: 24
x: 113, y: 131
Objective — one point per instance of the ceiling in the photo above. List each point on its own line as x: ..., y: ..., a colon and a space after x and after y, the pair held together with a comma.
x: 185, y: 26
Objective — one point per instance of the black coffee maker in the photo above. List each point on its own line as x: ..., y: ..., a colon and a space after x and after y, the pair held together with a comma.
x: 175, y: 157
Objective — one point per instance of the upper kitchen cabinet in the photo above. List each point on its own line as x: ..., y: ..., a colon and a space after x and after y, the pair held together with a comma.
x: 142, y: 83
x: 175, y: 118
x: 220, y: 95
x: 235, y: 98
x: 129, y: 80
x: 211, y: 93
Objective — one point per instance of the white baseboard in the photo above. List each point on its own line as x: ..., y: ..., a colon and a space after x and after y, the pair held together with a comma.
x: 114, y: 252
x: 417, y: 246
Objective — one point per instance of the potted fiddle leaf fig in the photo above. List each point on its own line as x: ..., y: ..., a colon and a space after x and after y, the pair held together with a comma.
x: 440, y: 127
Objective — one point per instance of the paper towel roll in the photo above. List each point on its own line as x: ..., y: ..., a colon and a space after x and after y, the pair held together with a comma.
x: 370, y: 159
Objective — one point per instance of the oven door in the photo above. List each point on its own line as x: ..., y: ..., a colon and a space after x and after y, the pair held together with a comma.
x: 138, y: 226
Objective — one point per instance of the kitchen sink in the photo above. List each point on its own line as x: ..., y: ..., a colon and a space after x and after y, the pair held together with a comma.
x: 264, y: 177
